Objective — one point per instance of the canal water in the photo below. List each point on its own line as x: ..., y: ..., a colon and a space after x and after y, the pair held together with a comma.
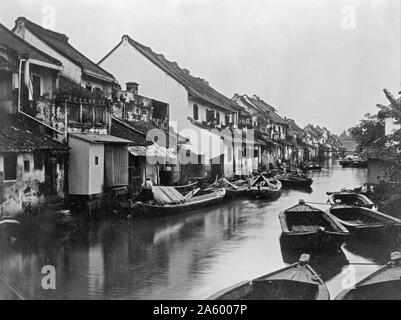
x: 179, y: 257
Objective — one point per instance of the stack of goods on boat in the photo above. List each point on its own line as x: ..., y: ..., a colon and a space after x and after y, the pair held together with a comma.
x: 236, y: 188
x: 306, y: 227
x: 295, y: 282
x: 383, y: 284
x: 295, y: 178
x: 167, y: 200
x: 264, y: 188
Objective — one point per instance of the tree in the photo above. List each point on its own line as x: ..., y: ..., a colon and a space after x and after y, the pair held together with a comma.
x: 369, y: 133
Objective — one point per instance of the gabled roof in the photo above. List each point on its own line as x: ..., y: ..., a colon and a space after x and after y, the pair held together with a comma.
x: 196, y: 87
x: 21, y: 48
x: 18, y: 136
x: 59, y: 42
x: 294, y: 126
x: 265, y: 107
x: 312, y: 130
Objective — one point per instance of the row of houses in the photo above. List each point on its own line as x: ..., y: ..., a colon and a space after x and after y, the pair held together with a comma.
x: 84, y: 132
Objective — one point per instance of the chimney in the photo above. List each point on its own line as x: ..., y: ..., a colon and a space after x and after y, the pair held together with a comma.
x: 132, y: 87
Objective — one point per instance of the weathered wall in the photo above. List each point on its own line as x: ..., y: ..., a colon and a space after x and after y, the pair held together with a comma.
x: 127, y: 64
x: 28, y: 186
x: 70, y: 69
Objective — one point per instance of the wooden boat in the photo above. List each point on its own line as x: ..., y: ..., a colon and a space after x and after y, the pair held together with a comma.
x: 264, y: 188
x: 295, y: 282
x: 235, y: 189
x: 306, y: 227
x: 295, y: 179
x: 189, y: 203
x: 359, y: 219
x: 383, y: 284
x: 350, y: 198
x: 312, y: 166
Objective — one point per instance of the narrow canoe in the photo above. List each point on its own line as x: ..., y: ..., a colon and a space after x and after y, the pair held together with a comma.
x: 359, y: 219
x: 295, y: 282
x: 383, y: 284
x: 306, y: 227
x: 193, y: 203
x: 350, y: 198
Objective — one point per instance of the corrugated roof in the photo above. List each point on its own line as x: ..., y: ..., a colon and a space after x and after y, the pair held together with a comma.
x: 59, y: 42
x: 99, y: 138
x: 23, y: 48
x: 195, y: 86
x: 154, y: 150
x: 18, y: 136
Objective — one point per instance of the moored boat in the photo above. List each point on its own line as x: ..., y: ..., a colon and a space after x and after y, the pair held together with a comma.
x: 383, y: 284
x: 359, y: 220
x: 295, y: 179
x: 188, y: 204
x: 306, y: 227
x: 264, y: 188
x: 234, y: 189
x: 312, y: 166
x: 295, y: 282
x: 350, y: 198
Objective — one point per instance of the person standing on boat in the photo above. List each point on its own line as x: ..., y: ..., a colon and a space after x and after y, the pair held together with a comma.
x: 147, y: 191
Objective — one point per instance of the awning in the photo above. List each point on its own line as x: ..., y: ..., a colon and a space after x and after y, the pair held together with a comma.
x: 99, y: 138
x: 154, y: 153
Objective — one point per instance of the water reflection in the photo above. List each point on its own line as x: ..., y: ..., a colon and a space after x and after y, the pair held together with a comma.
x: 180, y: 257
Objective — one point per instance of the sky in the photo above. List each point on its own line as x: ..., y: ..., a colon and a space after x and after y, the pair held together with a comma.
x: 323, y: 62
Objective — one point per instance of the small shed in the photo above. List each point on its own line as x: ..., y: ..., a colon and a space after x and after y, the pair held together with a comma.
x: 97, y: 161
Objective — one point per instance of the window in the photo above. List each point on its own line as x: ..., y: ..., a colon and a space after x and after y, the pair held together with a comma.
x: 96, y: 161
x: 100, y: 116
x: 73, y: 113
x: 87, y: 114
x: 209, y: 115
x: 255, y: 153
x: 195, y: 112
x: 10, y: 167
x: 218, y: 118
x: 36, y: 86
x: 88, y: 86
x: 37, y: 160
x: 26, y: 165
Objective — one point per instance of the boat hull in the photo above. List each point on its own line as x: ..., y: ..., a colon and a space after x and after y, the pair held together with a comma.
x: 362, y: 222
x: 262, y: 193
x: 304, y: 183
x: 295, y: 282
x: 314, y: 242
x: 143, y: 209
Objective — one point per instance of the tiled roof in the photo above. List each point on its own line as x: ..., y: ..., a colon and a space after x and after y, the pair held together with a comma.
x: 18, y: 136
x: 23, y: 48
x: 294, y: 125
x: 122, y: 130
x: 265, y: 107
x: 195, y: 86
x: 59, y: 42
x: 145, y: 126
